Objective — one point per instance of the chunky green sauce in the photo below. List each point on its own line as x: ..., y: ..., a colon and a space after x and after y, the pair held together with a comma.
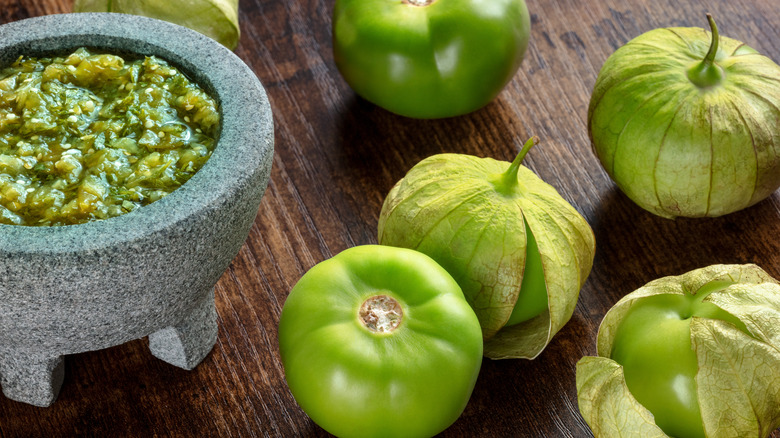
x: 93, y: 136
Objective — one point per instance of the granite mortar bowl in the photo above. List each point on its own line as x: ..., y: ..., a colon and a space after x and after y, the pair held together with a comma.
x: 151, y: 272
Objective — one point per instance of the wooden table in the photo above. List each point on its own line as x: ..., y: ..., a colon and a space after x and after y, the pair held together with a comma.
x: 336, y: 158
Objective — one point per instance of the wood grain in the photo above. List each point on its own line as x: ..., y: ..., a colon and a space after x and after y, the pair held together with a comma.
x: 336, y: 158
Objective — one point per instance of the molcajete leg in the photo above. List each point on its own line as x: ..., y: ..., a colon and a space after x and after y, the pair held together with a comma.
x: 187, y: 343
x: 31, y: 378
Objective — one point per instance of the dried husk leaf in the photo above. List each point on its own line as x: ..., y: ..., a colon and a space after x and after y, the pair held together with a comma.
x: 757, y: 306
x: 738, y: 383
x: 606, y: 403
x: 446, y: 207
x: 217, y: 19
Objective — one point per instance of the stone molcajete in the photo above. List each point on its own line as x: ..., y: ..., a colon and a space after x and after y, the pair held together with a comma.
x: 151, y: 272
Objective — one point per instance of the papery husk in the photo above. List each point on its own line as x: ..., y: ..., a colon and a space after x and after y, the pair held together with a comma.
x: 447, y: 208
x: 677, y: 149
x: 217, y: 19
x: 606, y: 403
x: 738, y: 383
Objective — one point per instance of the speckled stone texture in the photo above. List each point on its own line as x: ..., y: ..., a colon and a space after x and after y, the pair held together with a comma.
x: 151, y: 272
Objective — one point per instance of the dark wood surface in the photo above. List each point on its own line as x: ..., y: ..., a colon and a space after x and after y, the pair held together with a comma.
x: 336, y: 158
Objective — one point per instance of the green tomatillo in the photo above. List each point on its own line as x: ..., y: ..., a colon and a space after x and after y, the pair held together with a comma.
x: 691, y: 356
x: 519, y: 251
x: 429, y: 58
x: 380, y: 342
x: 686, y: 122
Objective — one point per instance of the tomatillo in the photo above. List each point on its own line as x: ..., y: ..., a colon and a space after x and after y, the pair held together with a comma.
x: 518, y: 249
x: 696, y: 355
x: 685, y: 122
x: 379, y: 342
x: 429, y: 58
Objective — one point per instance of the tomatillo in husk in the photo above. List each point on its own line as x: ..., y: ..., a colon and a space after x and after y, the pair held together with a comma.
x: 687, y: 122
x: 429, y: 58
x: 380, y: 342
x: 217, y: 19
x: 695, y: 355
x: 519, y: 251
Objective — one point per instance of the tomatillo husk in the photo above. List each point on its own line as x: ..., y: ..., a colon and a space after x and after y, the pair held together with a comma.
x: 687, y: 122
x: 519, y: 251
x: 217, y: 19
x: 688, y: 356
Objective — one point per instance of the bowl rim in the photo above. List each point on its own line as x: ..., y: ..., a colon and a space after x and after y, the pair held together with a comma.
x: 240, y: 150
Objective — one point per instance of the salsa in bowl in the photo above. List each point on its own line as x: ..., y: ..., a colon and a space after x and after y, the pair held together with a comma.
x: 150, y: 271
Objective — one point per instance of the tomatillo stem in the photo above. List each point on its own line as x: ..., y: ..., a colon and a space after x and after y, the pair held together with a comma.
x: 706, y: 73
x: 381, y: 314
x: 710, y: 57
x: 512, y: 171
x: 507, y: 182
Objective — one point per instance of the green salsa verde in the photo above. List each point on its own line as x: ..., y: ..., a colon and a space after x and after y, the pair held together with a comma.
x: 92, y: 136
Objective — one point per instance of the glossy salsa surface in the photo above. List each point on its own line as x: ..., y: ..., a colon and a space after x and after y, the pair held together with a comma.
x: 92, y: 136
